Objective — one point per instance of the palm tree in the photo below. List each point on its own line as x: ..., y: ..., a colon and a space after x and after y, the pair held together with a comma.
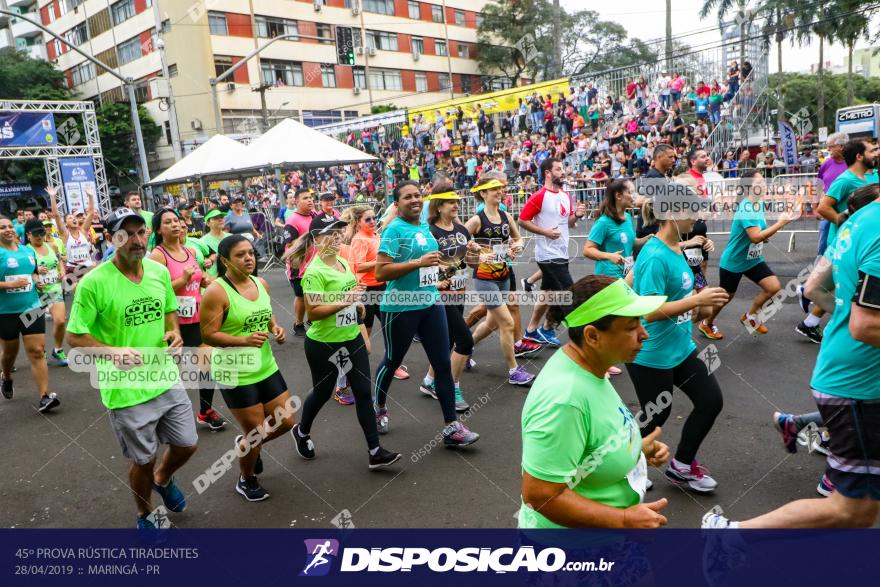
x: 740, y: 11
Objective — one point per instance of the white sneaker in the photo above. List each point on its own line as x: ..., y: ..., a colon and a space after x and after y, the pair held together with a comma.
x: 713, y: 521
x: 695, y: 477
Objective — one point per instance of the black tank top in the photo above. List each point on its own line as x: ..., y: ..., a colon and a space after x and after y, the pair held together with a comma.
x: 493, y: 238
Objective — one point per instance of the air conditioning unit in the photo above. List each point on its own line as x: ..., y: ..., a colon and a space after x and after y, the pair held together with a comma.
x: 195, y: 124
x: 416, y: 55
x: 372, y: 51
x: 230, y: 87
x: 318, y: 5
x: 355, y: 10
x: 359, y: 50
x: 356, y: 91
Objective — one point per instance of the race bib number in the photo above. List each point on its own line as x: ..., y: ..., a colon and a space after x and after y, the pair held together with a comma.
x: 459, y: 280
x: 628, y: 263
x: 694, y: 257
x: 684, y: 318
x: 51, y: 277
x: 429, y: 276
x: 500, y: 252
x: 346, y: 317
x: 638, y: 477
x: 756, y: 251
x: 23, y: 289
x: 186, y: 307
x: 78, y: 254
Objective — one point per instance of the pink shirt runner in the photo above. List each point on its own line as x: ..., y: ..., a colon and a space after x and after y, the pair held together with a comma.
x: 189, y: 298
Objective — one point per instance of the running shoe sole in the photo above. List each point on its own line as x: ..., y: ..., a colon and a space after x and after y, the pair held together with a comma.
x: 212, y: 427
x: 806, y: 335
x: 428, y: 391
x: 823, y: 491
x: 459, y: 444
x: 685, y: 483
x: 383, y: 465
x: 241, y: 492
x: 710, y: 335
x: 50, y: 406
x: 528, y: 353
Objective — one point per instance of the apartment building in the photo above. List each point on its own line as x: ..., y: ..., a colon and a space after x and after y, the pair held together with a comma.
x: 18, y: 33
x: 406, y: 53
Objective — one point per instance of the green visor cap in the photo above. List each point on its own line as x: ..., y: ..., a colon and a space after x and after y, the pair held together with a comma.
x: 618, y: 299
x: 214, y: 213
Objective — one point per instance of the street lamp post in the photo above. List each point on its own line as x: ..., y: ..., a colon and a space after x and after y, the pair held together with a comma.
x: 135, y: 120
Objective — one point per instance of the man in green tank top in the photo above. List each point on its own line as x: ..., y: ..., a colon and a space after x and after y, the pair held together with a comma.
x: 124, y: 303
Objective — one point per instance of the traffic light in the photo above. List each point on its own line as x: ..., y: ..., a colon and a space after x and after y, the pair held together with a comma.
x: 344, y: 45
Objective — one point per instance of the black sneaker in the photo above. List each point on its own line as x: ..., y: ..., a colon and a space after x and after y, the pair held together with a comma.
x: 47, y: 402
x: 527, y: 287
x: 383, y: 458
x: 811, y: 332
x: 258, y: 466
x: 304, y: 446
x: 299, y: 330
x: 251, y: 489
x: 6, y: 387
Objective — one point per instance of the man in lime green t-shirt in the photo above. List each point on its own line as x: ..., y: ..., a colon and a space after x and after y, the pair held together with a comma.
x: 124, y: 303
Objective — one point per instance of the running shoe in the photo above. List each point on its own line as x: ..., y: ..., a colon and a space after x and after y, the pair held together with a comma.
x: 694, y: 477
x: 803, y: 300
x: 811, y: 332
x: 471, y: 363
x: 428, y: 389
x: 401, y: 372
x: 171, y: 495
x: 344, y: 396
x: 527, y: 287
x: 251, y: 489
x: 821, y: 444
x: 460, y: 404
x: 299, y: 330
x: 649, y: 485
x: 525, y: 348
x: 612, y: 370
x: 304, y: 445
x: 48, y: 402
x: 382, y: 423
x: 456, y: 434
x: 6, y: 387
x: 753, y: 326
x: 786, y: 426
x: 710, y: 331
x: 724, y: 551
x: 211, y: 419
x: 713, y: 521
x: 145, y: 523
x: 60, y: 357
x: 383, y: 458
x: 520, y: 376
x: 825, y: 486
x: 417, y: 339
x: 532, y: 336
x: 258, y: 466
x: 548, y: 337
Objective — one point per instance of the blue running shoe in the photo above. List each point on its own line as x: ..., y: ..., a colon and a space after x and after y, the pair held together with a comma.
x: 786, y: 426
x: 172, y: 497
x: 803, y: 300
x: 145, y: 523
x: 549, y: 338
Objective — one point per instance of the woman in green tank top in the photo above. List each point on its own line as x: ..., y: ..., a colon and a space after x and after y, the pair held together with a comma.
x: 236, y: 319
x: 50, y: 273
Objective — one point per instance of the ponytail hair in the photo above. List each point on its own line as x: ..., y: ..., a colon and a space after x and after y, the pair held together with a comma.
x: 224, y: 248
x: 353, y: 217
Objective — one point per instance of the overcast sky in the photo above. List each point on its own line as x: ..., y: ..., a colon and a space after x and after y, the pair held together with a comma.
x: 646, y: 19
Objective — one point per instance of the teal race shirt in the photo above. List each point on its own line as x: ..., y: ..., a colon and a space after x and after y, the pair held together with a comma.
x: 846, y: 367
x: 741, y: 254
x: 417, y: 289
x: 14, y: 265
x: 611, y: 237
x: 842, y: 188
x: 661, y: 271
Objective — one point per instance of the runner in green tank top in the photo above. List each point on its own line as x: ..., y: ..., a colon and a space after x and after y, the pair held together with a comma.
x: 50, y: 273
x: 236, y: 314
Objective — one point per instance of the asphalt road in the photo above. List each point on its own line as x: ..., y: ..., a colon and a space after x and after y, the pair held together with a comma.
x: 66, y: 469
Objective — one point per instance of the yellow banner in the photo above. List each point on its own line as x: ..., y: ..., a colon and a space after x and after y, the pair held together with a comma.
x: 500, y: 101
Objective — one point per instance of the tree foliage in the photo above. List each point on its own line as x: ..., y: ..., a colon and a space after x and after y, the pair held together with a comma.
x: 800, y: 96
x: 117, y: 138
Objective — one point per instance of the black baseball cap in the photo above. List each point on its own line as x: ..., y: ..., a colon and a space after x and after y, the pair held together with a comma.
x: 34, y: 225
x: 185, y: 205
x: 114, y: 220
x: 328, y: 196
x: 239, y: 198
x: 324, y: 223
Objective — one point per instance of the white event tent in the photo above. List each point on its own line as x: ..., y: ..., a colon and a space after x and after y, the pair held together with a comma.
x: 215, y: 157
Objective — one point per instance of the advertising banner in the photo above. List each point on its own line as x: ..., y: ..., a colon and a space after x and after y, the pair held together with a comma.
x: 27, y: 129
x: 788, y: 143
x: 77, y: 175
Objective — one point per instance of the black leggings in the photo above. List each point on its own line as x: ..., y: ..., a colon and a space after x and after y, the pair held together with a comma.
x: 398, y: 329
x: 372, y: 310
x: 325, y: 370
x: 460, y: 338
x: 693, y: 378
x: 192, y: 337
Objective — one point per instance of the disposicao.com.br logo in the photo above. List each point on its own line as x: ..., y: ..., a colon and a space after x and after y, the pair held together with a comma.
x: 441, y: 560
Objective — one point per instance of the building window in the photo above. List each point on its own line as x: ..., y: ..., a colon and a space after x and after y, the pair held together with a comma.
x: 385, y: 79
x: 464, y: 51
x: 129, y: 50
x: 379, y: 6
x: 382, y: 40
x: 360, y: 78
x: 281, y: 73
x: 83, y: 72
x: 440, y: 47
x: 324, y: 33
x: 459, y: 17
x: 328, y: 76
x: 466, y: 82
x: 77, y: 35
x: 445, y: 83
x: 269, y: 28
x: 493, y: 84
x: 172, y: 70
x: 479, y: 20
x: 319, y: 117
x: 421, y: 82
x: 221, y: 64
x: 418, y: 45
x: 217, y: 23
x: 415, y: 11
x: 122, y: 11
x: 142, y: 92
x: 436, y: 13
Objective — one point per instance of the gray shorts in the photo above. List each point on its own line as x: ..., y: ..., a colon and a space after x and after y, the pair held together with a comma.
x: 492, y: 294
x: 166, y: 419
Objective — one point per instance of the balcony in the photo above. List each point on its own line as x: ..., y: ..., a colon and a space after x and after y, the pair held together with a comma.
x: 11, y: 3
x: 22, y: 28
x: 36, y: 52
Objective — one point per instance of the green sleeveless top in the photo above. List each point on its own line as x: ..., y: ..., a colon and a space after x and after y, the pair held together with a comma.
x: 52, y: 278
x: 237, y: 366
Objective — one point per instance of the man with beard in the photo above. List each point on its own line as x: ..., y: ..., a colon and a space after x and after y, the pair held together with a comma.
x: 124, y: 303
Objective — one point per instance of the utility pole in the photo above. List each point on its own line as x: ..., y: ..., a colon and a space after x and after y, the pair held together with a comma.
x: 172, y: 104
x: 448, y: 53
x: 557, y: 40
x: 366, y: 56
x: 264, y: 110
x: 669, y: 36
